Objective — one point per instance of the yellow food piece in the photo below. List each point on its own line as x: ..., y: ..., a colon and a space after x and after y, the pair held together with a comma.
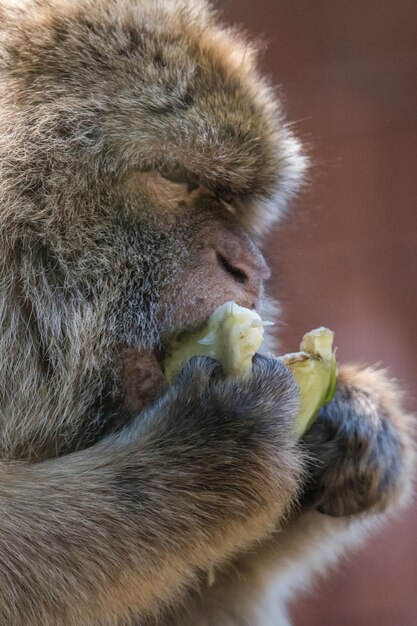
x: 315, y: 370
x: 232, y: 336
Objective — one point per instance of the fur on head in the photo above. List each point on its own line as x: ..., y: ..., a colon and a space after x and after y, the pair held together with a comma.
x: 104, y: 88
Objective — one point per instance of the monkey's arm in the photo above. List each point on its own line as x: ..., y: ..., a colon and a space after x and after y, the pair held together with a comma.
x: 361, y: 468
x: 125, y: 525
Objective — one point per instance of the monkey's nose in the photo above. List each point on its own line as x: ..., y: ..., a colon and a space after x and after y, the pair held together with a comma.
x: 243, y: 262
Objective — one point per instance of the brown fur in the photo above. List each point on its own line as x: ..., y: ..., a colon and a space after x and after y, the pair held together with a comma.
x: 141, y: 156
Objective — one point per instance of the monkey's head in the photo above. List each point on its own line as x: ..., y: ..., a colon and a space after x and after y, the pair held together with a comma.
x: 142, y: 156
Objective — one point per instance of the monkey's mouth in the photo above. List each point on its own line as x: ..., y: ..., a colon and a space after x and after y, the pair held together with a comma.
x: 171, y: 343
x: 163, y: 351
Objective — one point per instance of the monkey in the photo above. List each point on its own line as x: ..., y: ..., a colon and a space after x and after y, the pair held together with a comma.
x: 143, y: 158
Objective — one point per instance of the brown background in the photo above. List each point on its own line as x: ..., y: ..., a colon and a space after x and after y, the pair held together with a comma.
x: 347, y: 258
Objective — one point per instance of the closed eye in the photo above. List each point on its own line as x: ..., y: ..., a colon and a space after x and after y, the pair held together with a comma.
x: 176, y: 173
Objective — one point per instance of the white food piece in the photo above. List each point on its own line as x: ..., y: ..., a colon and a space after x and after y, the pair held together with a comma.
x: 232, y: 336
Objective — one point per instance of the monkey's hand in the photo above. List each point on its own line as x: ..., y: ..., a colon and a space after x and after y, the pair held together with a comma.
x: 360, y: 447
x: 231, y: 444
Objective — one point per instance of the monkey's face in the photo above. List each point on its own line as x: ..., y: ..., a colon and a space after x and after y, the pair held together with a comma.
x: 187, y: 253
x: 203, y: 256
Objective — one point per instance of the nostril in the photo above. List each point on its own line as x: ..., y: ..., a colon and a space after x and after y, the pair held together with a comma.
x: 238, y: 274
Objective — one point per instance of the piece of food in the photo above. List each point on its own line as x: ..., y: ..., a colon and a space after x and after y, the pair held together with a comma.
x: 315, y: 370
x: 232, y: 336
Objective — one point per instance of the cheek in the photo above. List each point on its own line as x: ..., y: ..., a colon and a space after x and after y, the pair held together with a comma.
x: 142, y: 380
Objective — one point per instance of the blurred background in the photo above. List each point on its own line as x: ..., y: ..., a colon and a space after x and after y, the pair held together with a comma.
x: 347, y: 257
